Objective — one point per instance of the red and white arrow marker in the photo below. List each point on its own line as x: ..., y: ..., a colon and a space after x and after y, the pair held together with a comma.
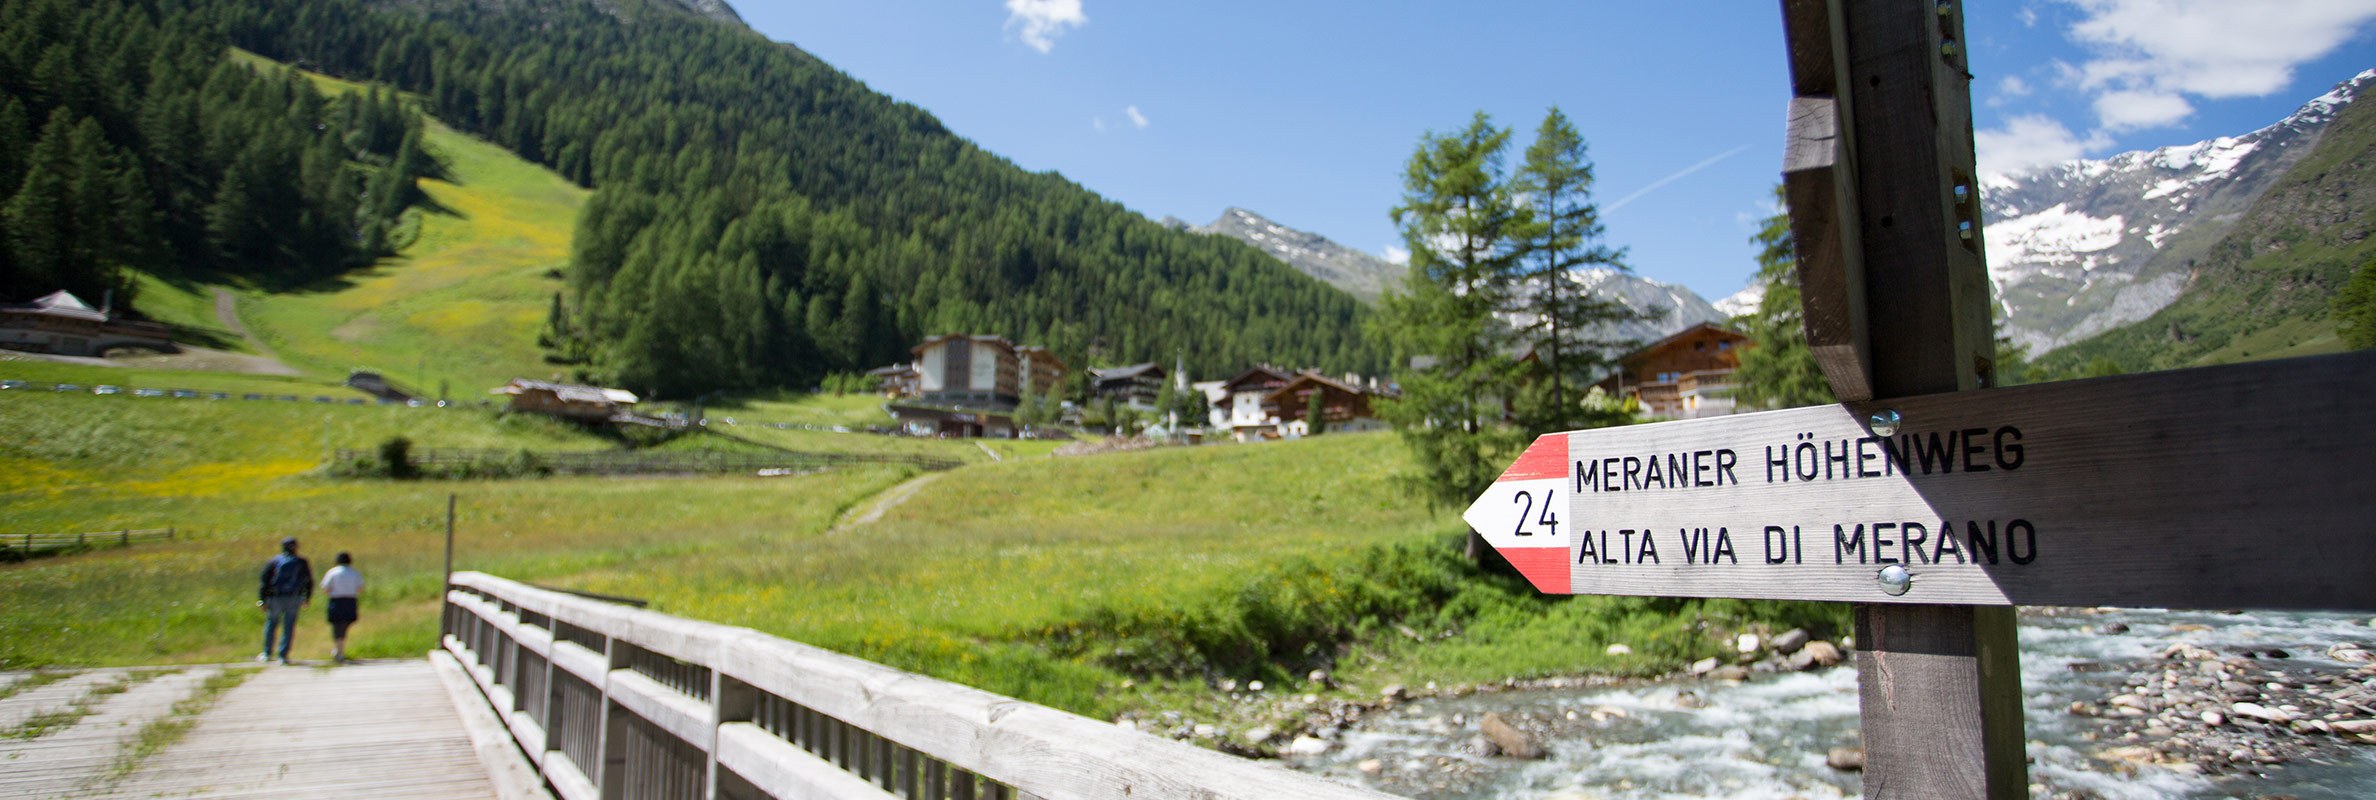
x: 1520, y: 515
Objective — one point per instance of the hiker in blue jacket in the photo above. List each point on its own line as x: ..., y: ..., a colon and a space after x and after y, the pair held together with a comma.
x: 286, y: 589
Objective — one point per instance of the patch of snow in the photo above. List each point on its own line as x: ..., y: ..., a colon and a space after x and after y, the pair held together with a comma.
x: 2055, y: 236
x: 1742, y: 302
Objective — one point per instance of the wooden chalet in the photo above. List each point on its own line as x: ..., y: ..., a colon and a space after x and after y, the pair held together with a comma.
x: 63, y: 324
x: 1344, y: 405
x: 1244, y: 415
x: 1137, y: 385
x: 566, y: 400
x: 1684, y: 376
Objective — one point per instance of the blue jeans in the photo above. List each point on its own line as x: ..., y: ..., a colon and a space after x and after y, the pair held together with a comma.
x: 281, y: 610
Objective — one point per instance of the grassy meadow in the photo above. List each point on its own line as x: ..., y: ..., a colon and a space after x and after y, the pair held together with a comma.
x: 1060, y: 580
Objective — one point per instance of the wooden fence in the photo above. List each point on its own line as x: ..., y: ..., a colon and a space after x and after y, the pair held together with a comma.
x: 616, y: 702
x: 30, y: 542
x: 632, y: 462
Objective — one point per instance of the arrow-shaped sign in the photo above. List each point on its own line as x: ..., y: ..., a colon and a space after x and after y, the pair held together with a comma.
x: 2224, y: 487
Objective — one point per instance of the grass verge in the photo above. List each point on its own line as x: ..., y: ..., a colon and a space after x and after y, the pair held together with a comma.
x: 42, y: 724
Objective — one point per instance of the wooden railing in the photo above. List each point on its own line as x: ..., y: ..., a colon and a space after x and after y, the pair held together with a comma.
x: 30, y: 542
x: 617, y: 702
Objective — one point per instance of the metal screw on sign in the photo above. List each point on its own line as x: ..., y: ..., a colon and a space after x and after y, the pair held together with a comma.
x: 1895, y: 580
x: 1885, y: 422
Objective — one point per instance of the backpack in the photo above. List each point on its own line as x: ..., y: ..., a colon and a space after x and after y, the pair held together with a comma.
x: 290, y: 575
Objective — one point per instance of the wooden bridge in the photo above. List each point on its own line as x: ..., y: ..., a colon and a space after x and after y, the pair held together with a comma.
x: 539, y: 694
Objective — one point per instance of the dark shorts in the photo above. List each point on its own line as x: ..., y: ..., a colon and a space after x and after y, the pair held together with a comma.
x: 342, y: 614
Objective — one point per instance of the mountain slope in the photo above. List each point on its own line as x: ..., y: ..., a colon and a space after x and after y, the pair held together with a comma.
x: 2089, y: 245
x: 1360, y: 274
x: 2262, y: 291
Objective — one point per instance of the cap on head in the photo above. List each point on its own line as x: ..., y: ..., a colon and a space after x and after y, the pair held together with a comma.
x: 289, y: 545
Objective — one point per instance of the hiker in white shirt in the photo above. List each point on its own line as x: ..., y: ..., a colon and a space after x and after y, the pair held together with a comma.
x: 345, y: 587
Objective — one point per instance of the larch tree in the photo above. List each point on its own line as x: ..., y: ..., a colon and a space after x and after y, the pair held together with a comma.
x: 1461, y: 223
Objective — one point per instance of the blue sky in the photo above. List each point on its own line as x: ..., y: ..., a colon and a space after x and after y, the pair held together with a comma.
x: 1305, y: 112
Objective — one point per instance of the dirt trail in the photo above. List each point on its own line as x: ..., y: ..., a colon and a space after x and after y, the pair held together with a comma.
x: 881, y: 503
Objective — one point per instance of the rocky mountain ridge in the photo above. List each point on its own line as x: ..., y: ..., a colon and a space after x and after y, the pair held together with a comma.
x: 1367, y: 276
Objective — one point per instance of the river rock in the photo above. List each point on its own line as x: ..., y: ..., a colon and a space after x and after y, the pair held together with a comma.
x: 1395, y: 692
x: 1730, y: 672
x: 1370, y: 766
x: 1820, y: 654
x: 1482, y: 746
x: 1307, y: 746
x: 1512, y: 741
x: 1703, y: 666
x: 2356, y: 726
x: 1746, y: 643
x: 1620, y: 649
x: 2351, y: 654
x: 2116, y: 628
x: 1253, y: 686
x: 2214, y: 718
x: 1790, y: 641
x: 2259, y: 712
x: 1319, y: 677
x: 1259, y: 735
x: 1845, y: 759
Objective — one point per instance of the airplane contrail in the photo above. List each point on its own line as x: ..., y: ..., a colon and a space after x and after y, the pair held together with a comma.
x: 1612, y: 207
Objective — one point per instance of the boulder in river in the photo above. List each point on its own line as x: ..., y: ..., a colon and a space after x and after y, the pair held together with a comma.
x: 1790, y: 641
x: 1845, y: 759
x: 1703, y: 666
x: 1512, y: 741
x: 1746, y: 643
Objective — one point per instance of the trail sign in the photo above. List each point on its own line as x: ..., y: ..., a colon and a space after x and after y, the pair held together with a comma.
x: 2196, y: 488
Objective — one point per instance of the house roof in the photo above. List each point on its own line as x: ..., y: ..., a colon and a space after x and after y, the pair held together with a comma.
x: 1132, y: 371
x: 569, y: 392
x: 1257, y: 373
x: 1040, y: 354
x: 1314, y: 377
x: 895, y: 369
x: 983, y: 338
x: 60, y: 304
x: 1679, y: 335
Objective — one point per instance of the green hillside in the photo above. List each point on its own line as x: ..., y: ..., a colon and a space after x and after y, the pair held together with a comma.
x: 761, y: 220
x: 2264, y: 291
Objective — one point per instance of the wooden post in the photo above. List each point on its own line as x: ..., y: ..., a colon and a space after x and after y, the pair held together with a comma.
x: 1884, y: 211
x: 449, y: 544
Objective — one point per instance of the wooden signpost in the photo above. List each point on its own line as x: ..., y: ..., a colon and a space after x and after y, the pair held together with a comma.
x: 1943, y: 503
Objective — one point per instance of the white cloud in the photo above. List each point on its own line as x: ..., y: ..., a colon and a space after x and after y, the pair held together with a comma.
x: 1044, y: 20
x: 1395, y: 254
x: 1136, y: 118
x: 2147, y: 55
x: 2030, y: 141
x: 2132, y: 110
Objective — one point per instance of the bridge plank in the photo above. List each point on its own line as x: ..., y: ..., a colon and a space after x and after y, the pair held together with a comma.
x: 383, y: 729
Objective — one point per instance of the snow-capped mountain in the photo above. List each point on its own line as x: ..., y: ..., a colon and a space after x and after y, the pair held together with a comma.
x: 1366, y: 276
x: 2085, y: 246
x: 1360, y: 274
x: 1741, y: 302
